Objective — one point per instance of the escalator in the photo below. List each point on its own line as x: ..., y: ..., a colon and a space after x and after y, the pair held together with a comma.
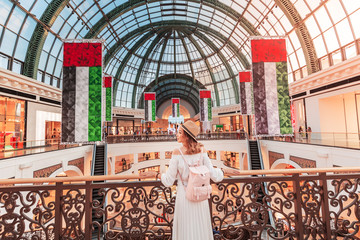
x: 255, y: 159
x: 255, y: 163
x: 98, y: 169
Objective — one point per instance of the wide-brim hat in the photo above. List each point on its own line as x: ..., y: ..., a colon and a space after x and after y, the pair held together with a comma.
x: 191, y: 128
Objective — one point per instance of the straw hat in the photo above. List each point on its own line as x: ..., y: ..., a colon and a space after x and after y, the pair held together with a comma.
x: 191, y: 128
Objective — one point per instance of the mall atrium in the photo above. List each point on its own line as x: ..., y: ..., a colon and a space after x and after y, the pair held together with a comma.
x: 145, y: 67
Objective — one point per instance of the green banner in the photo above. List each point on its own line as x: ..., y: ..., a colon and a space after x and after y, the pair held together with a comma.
x: 209, y: 110
x: 153, y: 113
x: 283, y: 98
x: 95, y: 90
x: 108, y: 116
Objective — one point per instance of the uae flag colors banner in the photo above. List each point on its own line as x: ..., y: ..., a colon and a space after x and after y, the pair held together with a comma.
x: 107, y: 99
x: 271, y: 90
x: 150, y: 106
x: 205, y: 106
x: 246, y: 93
x: 175, y: 102
x: 82, y: 92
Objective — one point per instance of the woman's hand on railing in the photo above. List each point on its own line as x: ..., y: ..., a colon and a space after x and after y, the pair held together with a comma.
x: 230, y: 172
x: 148, y: 174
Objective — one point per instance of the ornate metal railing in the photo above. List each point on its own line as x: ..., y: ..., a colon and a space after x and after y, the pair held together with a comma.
x: 295, y: 206
x: 172, y: 137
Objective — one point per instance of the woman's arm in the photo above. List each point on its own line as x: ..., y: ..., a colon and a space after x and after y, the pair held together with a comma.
x: 216, y: 174
x: 169, y: 177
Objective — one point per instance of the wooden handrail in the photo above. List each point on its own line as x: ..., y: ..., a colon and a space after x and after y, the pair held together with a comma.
x: 136, y: 176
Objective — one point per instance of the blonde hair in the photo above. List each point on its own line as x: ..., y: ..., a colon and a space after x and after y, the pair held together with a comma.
x: 192, y: 146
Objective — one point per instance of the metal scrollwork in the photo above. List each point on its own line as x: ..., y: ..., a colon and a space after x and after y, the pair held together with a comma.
x: 279, y: 207
x: 26, y: 212
x: 73, y: 210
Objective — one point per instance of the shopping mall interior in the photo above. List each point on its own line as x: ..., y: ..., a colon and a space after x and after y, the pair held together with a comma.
x: 57, y: 183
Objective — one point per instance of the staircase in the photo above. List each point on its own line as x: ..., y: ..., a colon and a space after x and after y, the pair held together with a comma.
x: 98, y: 169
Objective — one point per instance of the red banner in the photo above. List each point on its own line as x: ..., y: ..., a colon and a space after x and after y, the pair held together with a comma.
x: 149, y: 96
x: 268, y: 50
x: 82, y: 54
x: 245, y: 76
x: 205, y: 94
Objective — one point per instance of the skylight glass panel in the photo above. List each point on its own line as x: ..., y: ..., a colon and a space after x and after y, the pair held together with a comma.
x: 351, y: 5
x: 302, y: 8
x: 16, y: 20
x: 21, y: 49
x: 39, y: 8
x: 355, y: 19
x: 344, y: 32
x: 336, y: 10
x: 312, y: 27
x: 331, y: 40
x: 323, y: 19
x: 28, y: 28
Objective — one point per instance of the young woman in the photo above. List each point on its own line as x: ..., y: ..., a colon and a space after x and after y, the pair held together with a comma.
x: 192, y: 220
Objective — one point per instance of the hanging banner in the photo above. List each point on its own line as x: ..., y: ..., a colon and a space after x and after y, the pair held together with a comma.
x: 246, y: 93
x: 107, y: 98
x: 205, y: 106
x: 175, y: 107
x: 82, y: 92
x: 271, y: 90
x: 150, y: 106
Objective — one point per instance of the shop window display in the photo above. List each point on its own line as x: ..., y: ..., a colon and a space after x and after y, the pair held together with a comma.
x: 12, y: 123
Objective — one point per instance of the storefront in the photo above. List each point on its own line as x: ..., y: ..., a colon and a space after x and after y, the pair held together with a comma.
x: 12, y: 123
x: 52, y: 132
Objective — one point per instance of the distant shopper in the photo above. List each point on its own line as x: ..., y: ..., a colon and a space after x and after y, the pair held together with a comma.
x: 301, y: 132
x: 309, y: 131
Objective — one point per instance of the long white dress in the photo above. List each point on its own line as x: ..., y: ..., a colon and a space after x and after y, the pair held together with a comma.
x: 192, y: 220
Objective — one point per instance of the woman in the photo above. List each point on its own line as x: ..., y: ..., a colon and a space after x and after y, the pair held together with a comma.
x: 192, y: 220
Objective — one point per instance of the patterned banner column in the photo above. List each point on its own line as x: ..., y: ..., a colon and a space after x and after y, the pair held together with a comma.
x: 107, y: 98
x: 271, y: 90
x: 150, y: 106
x: 175, y: 107
x: 246, y: 93
x: 205, y: 106
x: 82, y: 90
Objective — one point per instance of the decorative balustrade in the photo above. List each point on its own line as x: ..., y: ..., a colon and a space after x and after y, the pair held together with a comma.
x: 277, y: 206
x: 172, y: 137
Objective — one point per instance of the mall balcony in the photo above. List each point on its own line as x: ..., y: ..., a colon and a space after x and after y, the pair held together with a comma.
x: 298, y: 192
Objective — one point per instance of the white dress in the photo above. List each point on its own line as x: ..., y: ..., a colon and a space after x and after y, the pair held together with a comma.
x: 192, y: 220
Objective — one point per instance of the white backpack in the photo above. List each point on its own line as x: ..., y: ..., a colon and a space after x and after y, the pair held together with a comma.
x: 198, y: 188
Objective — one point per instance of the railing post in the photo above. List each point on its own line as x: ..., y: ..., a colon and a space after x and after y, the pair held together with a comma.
x: 325, y: 206
x: 88, y: 210
x: 58, y: 218
x: 299, y: 227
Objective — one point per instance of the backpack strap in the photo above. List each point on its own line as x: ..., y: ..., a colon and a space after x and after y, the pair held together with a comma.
x: 178, y: 169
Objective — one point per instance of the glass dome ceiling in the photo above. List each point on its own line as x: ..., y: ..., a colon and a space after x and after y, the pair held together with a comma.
x: 198, y: 43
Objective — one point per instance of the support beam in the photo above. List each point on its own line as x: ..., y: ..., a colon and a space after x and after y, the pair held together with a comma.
x: 38, y: 38
x: 188, y: 56
x: 302, y: 33
x: 224, y: 61
x: 130, y: 5
x: 141, y: 66
x: 161, y: 57
x: 197, y: 46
